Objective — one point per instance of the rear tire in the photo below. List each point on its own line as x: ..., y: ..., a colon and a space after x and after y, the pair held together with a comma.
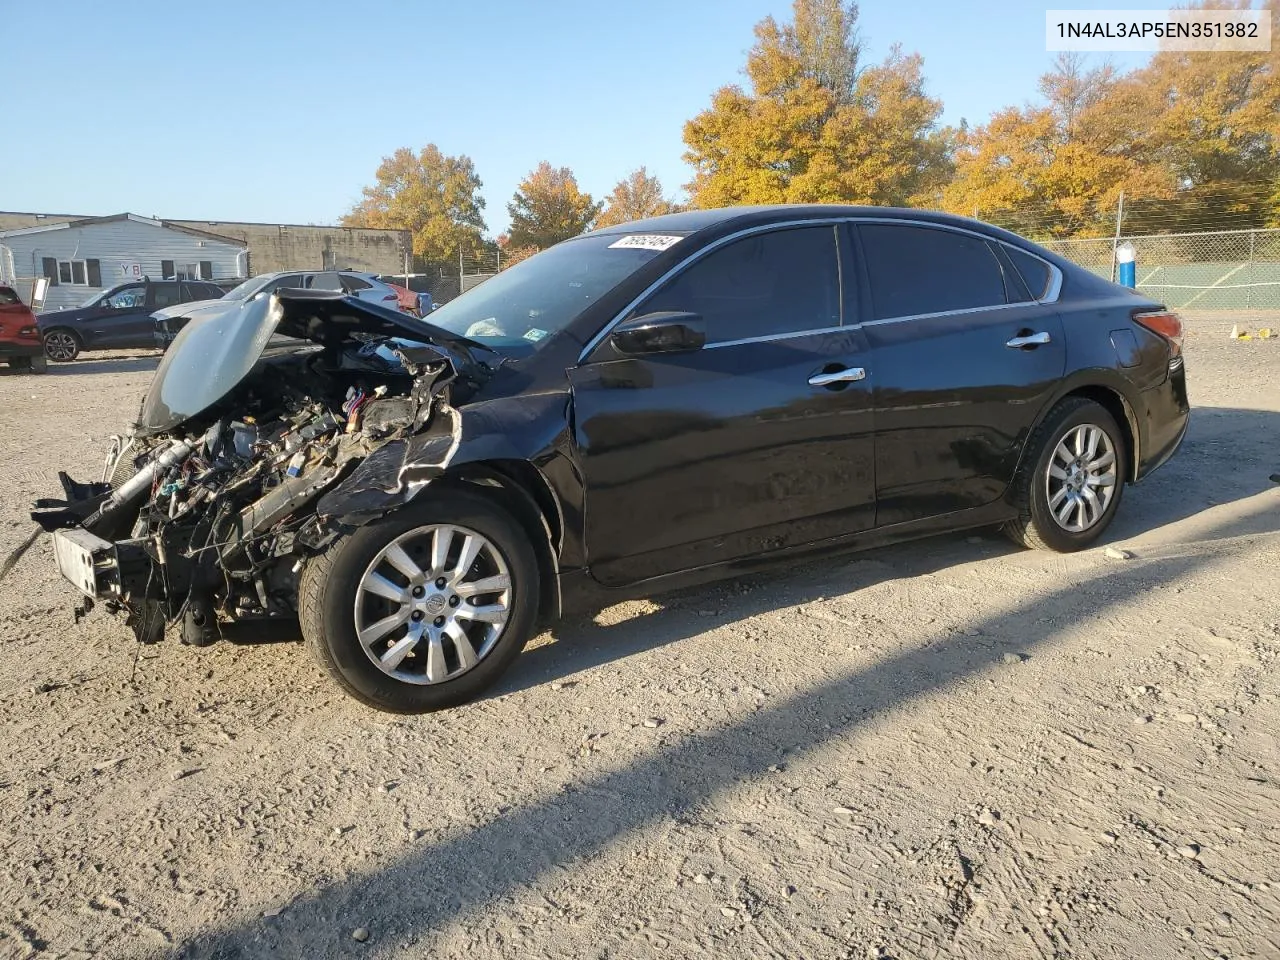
x: 1071, y: 480
x: 62, y: 345
x: 334, y: 599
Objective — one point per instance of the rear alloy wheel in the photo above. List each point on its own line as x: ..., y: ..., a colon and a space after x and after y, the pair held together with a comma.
x: 425, y: 608
x: 61, y: 345
x: 1071, y: 480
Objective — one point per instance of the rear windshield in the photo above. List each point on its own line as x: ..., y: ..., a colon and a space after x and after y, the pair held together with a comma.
x: 8, y: 298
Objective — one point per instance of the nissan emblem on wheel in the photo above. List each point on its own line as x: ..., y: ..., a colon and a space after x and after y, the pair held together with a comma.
x: 643, y: 407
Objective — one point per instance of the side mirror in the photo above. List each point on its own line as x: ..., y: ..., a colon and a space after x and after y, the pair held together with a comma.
x: 667, y: 331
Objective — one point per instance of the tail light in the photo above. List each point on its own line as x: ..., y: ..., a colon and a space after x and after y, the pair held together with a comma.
x: 1164, y: 323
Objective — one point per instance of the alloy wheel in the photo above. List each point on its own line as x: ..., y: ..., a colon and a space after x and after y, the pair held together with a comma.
x: 433, y: 603
x: 1081, y: 480
x: 61, y: 346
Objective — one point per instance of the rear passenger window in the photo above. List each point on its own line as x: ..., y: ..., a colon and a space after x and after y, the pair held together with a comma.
x: 770, y: 284
x: 326, y: 281
x: 165, y: 294
x: 355, y: 283
x: 1034, y: 271
x: 920, y: 270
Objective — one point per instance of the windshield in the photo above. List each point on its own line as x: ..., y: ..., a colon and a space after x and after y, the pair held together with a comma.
x: 247, y: 289
x: 541, y: 295
x: 93, y: 298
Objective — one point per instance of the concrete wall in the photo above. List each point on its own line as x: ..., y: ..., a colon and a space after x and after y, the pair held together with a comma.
x: 282, y: 246
x: 275, y: 247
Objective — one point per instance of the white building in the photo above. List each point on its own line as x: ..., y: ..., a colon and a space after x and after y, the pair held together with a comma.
x: 84, y: 257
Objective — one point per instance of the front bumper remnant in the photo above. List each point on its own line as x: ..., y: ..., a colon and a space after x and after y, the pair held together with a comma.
x: 88, y: 561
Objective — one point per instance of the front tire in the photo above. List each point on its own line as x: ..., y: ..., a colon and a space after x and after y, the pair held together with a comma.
x: 62, y: 345
x: 1071, y: 480
x: 425, y: 608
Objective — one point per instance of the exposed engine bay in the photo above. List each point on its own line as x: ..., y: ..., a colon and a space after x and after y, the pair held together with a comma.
x: 245, y: 458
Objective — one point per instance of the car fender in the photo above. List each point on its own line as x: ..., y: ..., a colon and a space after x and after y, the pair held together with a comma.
x: 1083, y: 381
x: 529, y: 428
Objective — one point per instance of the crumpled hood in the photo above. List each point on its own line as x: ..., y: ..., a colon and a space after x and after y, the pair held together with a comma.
x: 218, y: 349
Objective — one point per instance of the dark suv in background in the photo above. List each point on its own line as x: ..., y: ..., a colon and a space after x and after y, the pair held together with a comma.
x: 119, y: 319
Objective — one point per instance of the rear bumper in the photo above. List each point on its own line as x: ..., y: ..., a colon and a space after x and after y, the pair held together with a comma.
x: 1164, y: 416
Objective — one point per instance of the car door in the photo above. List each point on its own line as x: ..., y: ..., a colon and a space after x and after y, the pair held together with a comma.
x: 760, y: 440
x: 964, y: 359
x: 110, y: 323
x: 138, y: 329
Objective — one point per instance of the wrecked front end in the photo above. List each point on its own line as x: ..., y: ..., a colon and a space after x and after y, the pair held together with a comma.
x: 207, y: 509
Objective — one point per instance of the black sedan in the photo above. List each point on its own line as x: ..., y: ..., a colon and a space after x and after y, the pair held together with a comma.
x: 643, y: 407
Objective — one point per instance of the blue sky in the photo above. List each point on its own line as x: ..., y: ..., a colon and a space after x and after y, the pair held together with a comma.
x: 280, y: 111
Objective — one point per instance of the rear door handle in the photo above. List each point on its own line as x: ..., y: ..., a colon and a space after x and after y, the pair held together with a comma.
x: 1028, y: 340
x: 844, y: 375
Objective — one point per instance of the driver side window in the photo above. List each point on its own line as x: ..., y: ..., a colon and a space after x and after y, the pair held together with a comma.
x: 765, y: 285
x: 126, y: 298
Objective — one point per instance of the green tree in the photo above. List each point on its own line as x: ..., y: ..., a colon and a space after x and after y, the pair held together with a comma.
x: 435, y: 196
x: 816, y: 125
x: 548, y: 207
x: 635, y: 197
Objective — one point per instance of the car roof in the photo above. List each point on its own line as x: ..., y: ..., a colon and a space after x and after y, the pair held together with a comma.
x: 693, y: 221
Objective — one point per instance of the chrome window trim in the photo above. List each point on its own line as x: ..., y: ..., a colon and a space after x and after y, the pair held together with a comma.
x: 775, y: 336
x: 1051, y: 295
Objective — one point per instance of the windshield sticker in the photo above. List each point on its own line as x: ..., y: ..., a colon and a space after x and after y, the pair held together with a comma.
x: 534, y: 334
x: 645, y: 241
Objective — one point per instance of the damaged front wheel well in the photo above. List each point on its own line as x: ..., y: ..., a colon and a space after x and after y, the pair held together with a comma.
x: 520, y: 489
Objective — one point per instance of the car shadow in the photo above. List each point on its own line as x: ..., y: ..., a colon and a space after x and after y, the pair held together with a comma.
x: 130, y: 363
x: 427, y: 889
x: 1215, y: 437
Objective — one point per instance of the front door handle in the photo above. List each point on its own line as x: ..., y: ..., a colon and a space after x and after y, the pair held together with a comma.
x: 843, y: 375
x: 1028, y: 340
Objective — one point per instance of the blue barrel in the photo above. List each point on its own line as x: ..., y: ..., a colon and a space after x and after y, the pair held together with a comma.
x: 1127, y: 266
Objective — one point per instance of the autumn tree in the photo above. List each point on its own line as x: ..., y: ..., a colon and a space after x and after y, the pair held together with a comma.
x: 635, y: 197
x: 1058, y: 168
x: 1215, y: 129
x: 816, y: 125
x: 434, y: 196
x: 1192, y: 139
x: 549, y: 207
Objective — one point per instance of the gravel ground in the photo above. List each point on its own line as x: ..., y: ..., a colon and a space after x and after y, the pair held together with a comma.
x: 949, y: 748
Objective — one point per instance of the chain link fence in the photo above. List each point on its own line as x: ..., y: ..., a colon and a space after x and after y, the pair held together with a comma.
x: 1218, y: 270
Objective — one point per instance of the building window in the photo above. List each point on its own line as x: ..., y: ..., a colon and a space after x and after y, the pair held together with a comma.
x: 188, y: 271
x: 73, y: 272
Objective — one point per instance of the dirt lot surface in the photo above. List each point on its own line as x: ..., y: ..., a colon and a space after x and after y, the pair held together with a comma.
x: 951, y: 748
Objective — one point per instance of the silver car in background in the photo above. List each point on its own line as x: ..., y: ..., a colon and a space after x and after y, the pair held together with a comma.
x: 365, y: 286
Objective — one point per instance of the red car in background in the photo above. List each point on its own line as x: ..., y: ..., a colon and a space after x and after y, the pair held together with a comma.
x: 406, y: 298
x: 20, y: 342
